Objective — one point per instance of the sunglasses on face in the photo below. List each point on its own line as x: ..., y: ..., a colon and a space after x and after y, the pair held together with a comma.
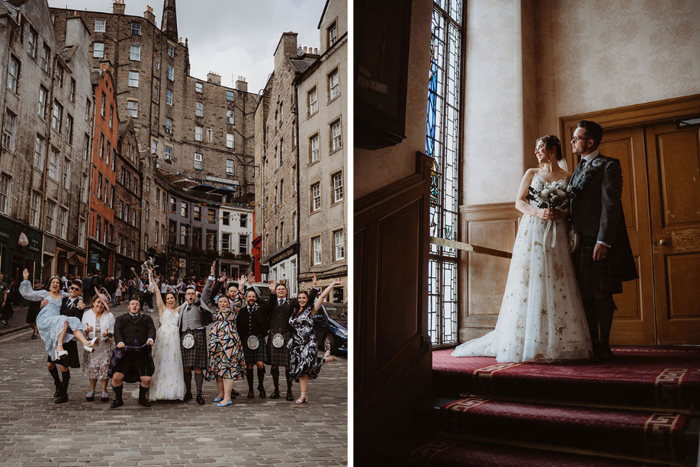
x: 75, y: 288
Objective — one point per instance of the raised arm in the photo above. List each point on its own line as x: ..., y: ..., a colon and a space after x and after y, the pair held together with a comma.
x: 159, y: 297
x: 26, y: 290
x: 324, y: 294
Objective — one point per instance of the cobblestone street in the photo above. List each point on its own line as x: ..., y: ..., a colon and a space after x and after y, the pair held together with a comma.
x: 35, y: 431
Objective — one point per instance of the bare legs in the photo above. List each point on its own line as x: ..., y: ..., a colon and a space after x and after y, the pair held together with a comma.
x: 77, y: 333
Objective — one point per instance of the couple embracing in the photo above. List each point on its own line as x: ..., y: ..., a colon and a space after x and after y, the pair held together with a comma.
x: 558, y: 301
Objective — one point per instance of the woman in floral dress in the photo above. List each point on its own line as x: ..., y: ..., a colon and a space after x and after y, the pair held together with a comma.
x: 98, y: 322
x: 304, y: 364
x: 226, y: 355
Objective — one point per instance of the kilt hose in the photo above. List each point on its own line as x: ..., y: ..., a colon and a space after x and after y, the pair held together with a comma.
x: 197, y: 356
x: 604, y: 276
x: 257, y: 355
x: 278, y: 357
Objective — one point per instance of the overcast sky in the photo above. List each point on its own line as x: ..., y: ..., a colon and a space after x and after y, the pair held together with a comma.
x: 230, y: 37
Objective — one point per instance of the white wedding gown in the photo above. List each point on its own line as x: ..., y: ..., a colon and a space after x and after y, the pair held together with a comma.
x: 541, y: 316
x: 168, y: 382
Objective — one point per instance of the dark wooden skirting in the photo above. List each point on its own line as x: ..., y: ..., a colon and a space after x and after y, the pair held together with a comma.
x: 482, y: 277
x: 392, y: 353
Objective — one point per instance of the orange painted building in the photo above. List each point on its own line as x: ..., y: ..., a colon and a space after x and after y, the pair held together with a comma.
x: 104, y: 148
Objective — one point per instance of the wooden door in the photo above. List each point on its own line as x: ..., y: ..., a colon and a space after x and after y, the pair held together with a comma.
x: 633, y: 322
x: 673, y: 158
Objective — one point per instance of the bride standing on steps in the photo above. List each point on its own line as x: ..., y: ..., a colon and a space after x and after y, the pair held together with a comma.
x: 541, y: 317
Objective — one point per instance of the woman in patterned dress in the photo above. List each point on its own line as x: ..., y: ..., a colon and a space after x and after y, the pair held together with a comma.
x: 98, y: 322
x: 226, y: 355
x: 304, y: 364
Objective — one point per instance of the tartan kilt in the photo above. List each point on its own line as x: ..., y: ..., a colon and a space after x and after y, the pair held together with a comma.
x: 257, y: 355
x: 132, y: 364
x: 605, y: 276
x: 278, y: 357
x: 197, y: 356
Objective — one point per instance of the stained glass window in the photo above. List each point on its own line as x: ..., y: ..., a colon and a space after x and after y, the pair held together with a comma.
x: 442, y: 144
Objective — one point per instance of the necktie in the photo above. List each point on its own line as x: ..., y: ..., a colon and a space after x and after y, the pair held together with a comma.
x: 279, y: 302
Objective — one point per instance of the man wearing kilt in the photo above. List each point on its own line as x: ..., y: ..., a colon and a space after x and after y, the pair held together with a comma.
x: 252, y: 328
x: 193, y: 340
x: 132, y: 361
x: 278, y: 310
x: 604, y: 259
x: 70, y: 306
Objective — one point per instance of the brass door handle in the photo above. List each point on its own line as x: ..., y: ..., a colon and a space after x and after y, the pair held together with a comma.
x: 663, y: 242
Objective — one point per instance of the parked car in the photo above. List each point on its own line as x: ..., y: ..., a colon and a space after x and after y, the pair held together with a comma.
x: 262, y: 289
x: 331, y: 326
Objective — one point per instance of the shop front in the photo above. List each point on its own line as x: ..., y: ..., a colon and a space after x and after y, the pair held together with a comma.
x: 20, y: 247
x: 283, y: 267
x: 100, y: 259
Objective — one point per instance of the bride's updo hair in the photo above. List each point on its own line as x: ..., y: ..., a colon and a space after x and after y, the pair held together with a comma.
x: 551, y: 141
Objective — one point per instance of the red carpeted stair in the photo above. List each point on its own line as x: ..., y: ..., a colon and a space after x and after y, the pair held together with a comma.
x: 639, y: 409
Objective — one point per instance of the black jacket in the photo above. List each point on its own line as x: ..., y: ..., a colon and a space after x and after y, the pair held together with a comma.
x: 277, y: 315
x: 126, y: 329
x: 248, y: 325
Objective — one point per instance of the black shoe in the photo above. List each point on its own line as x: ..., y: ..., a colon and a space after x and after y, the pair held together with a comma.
x: 116, y: 403
x: 34, y: 336
x: 262, y: 393
x: 104, y: 399
x: 233, y: 394
x: 144, y: 402
x: 200, y: 399
x: 90, y: 398
x: 188, y: 396
x: 290, y: 396
x: 251, y: 395
x: 57, y: 392
x: 275, y: 394
x: 62, y: 398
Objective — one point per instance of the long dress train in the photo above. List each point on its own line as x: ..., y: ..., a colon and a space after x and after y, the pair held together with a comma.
x: 541, y: 316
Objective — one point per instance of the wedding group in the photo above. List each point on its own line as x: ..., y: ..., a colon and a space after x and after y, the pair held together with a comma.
x: 222, y: 339
x: 571, y: 255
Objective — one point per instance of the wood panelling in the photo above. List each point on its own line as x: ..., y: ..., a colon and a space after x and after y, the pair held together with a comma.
x: 392, y: 353
x: 492, y: 226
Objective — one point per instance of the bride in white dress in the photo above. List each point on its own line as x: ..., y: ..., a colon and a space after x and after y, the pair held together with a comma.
x: 541, y: 317
x: 168, y: 382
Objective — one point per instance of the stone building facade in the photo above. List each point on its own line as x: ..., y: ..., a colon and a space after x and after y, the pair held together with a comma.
x: 46, y: 110
x: 322, y: 94
x: 128, y: 205
x: 236, y: 235
x: 277, y: 157
x: 102, y: 187
x: 194, y: 126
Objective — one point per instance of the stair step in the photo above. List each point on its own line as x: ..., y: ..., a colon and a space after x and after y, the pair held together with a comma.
x: 444, y: 452
x: 649, y: 378
x: 637, y: 434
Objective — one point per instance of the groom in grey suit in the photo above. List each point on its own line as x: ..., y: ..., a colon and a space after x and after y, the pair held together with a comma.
x: 604, y: 259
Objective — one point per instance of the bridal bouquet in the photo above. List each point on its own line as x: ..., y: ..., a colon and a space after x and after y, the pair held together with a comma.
x: 551, y: 196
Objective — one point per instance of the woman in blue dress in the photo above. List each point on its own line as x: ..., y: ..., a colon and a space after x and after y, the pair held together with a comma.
x: 52, y: 325
x: 304, y: 364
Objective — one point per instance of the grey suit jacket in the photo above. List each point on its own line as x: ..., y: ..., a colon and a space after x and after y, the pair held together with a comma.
x: 596, y: 211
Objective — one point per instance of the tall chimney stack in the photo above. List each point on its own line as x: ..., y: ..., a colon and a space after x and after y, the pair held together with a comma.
x: 214, y: 78
x: 118, y: 7
x: 148, y: 14
x: 242, y: 84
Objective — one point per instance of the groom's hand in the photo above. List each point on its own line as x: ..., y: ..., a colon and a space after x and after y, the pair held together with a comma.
x: 600, y: 251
